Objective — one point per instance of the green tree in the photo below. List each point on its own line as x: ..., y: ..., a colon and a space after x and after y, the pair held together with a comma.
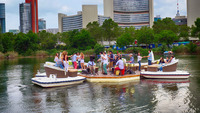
x: 125, y: 39
x: 166, y: 36
x: 25, y: 44
x: 95, y: 30
x: 145, y: 35
x: 47, y: 40
x: 1, y: 45
x: 110, y: 30
x: 33, y: 41
x: 196, y: 28
x: 81, y: 40
x: 65, y: 38
x: 130, y: 30
x: 184, y: 32
x: 165, y: 24
x: 98, y: 48
x: 8, y: 41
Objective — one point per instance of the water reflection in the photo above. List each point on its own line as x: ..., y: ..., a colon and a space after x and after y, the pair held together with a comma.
x: 18, y: 94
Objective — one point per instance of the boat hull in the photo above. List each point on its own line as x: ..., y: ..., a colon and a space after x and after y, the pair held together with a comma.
x: 166, y: 75
x: 55, y: 70
x: 47, y: 82
x: 112, y: 79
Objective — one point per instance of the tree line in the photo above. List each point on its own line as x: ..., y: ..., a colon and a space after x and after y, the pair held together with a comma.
x: 163, y: 31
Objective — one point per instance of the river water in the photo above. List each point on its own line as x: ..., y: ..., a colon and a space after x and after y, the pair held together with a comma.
x: 19, y: 95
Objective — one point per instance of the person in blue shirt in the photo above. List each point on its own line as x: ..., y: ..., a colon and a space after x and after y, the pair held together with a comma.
x: 131, y: 59
x: 149, y: 57
x: 74, y: 58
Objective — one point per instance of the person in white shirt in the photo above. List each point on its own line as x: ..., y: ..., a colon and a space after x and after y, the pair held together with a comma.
x: 101, y: 63
x: 105, y: 62
x: 91, y: 65
x: 139, y: 58
x: 172, y: 59
x: 78, y: 57
x: 120, y: 65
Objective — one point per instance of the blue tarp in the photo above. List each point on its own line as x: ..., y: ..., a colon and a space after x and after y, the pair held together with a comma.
x: 118, y: 48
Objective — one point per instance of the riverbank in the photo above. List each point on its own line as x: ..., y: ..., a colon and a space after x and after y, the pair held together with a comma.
x: 190, y: 49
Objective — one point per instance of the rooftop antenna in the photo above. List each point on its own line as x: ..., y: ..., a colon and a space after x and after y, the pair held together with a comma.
x: 177, y: 14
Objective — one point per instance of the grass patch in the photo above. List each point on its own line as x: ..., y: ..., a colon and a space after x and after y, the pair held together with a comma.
x: 41, y: 53
x: 1, y: 55
x: 11, y: 54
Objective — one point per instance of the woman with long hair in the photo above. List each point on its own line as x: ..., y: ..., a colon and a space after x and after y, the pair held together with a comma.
x: 65, y: 62
x: 56, y: 59
x: 82, y: 61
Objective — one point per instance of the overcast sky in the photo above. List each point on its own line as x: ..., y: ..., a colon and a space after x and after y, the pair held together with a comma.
x: 49, y: 9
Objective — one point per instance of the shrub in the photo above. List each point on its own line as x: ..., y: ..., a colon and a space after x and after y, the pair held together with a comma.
x: 72, y: 50
x: 129, y: 50
x: 41, y: 53
x: 28, y: 52
x: 11, y: 54
x: 163, y: 48
x: 191, y: 47
x: 52, y: 52
x: 109, y: 49
x: 136, y: 50
x: 180, y: 49
x: 1, y: 55
x: 89, y: 52
x: 114, y: 51
x: 98, y: 48
x: 198, y: 50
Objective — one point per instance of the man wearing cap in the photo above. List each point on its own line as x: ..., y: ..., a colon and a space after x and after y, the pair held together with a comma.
x: 131, y: 59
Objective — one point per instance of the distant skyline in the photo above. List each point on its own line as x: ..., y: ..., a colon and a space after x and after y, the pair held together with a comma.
x: 49, y: 9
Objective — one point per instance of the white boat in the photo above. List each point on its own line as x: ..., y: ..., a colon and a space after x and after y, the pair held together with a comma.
x: 41, y: 75
x: 55, y: 76
x: 168, y: 71
x: 170, y: 75
x: 53, y: 81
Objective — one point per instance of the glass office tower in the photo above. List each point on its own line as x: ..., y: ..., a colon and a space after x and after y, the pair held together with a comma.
x: 25, y: 17
x: 2, y: 18
x: 128, y: 13
x: 41, y: 24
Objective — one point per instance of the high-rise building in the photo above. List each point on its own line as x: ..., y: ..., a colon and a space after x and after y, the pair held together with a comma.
x: 29, y: 16
x: 2, y: 18
x: 88, y: 14
x: 25, y: 17
x: 128, y: 13
x: 192, y: 11
x: 41, y: 24
x: 34, y: 14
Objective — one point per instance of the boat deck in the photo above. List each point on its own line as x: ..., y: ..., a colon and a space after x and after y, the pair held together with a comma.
x: 99, y: 77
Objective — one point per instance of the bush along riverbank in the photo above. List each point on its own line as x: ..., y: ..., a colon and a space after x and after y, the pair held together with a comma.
x: 179, y: 50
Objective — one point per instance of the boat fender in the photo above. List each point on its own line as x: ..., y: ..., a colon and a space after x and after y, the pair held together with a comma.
x: 50, y: 76
x: 38, y: 72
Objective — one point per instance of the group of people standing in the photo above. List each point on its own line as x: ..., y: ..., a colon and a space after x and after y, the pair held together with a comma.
x: 115, y: 61
x: 106, y: 60
x: 62, y: 60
